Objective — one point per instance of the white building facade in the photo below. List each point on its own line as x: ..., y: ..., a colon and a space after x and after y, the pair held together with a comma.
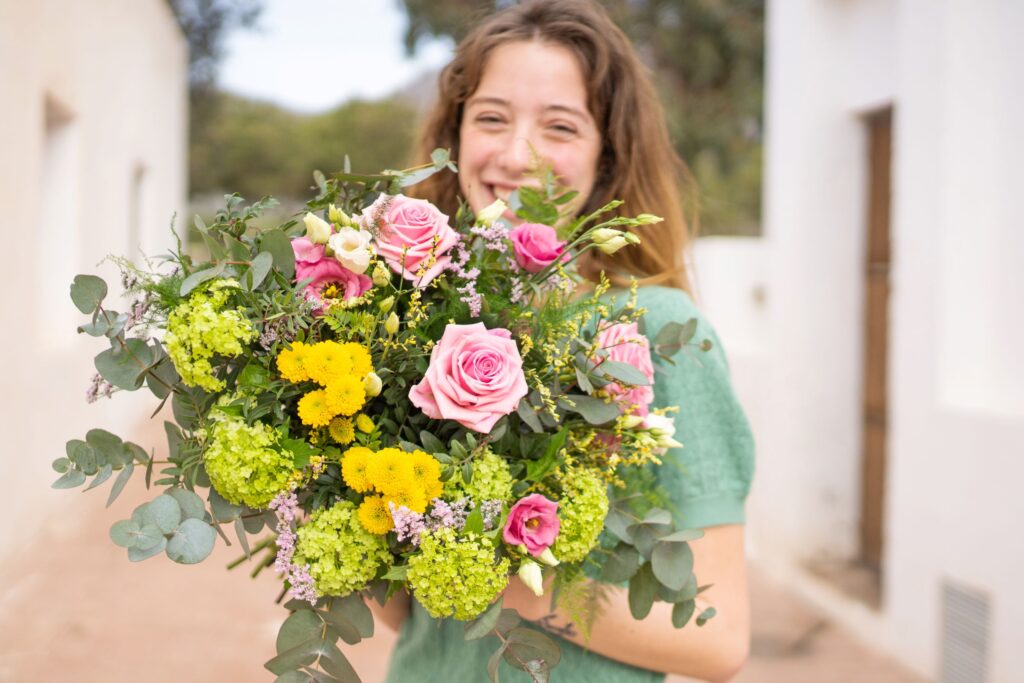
x: 945, y: 491
x: 93, y: 146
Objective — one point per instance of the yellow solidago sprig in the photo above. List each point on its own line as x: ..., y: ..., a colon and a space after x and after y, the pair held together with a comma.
x: 200, y: 328
x: 245, y: 463
x: 581, y: 511
x: 453, y: 576
x: 342, y: 555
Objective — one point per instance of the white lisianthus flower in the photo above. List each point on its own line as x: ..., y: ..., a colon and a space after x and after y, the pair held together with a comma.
x: 318, y: 231
x: 492, y: 212
x: 530, y: 574
x: 610, y: 240
x: 353, y: 248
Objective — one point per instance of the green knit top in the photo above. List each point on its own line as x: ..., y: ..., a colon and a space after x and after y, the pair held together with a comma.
x: 707, y: 480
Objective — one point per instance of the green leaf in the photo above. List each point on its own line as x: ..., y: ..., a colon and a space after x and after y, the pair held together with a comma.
x: 704, y: 616
x: 619, y: 524
x: 254, y: 376
x: 431, y: 443
x: 199, y: 277
x: 101, y: 477
x: 354, y: 609
x: 276, y: 243
x: 684, y: 535
x: 536, y: 470
x: 645, y: 536
x: 124, y: 533
x: 657, y: 516
x: 623, y: 372
x: 397, y: 572
x: 223, y: 511
x: 124, y: 367
x: 192, y: 542
x: 529, y: 646
x: 293, y: 677
x: 243, y: 538
x: 69, y: 480
x: 61, y: 465
x: 642, y: 589
x: 120, y: 482
x: 140, y: 554
x: 191, y: 505
x: 673, y: 336
x: 495, y: 661
x: 163, y: 511
x: 88, y: 292
x: 621, y: 565
x: 109, y: 447
x: 303, y: 654
x: 529, y: 416
x: 672, y: 563
x: 682, y: 612
x: 485, y: 623
x: 334, y: 662
x: 596, y: 411
x: 162, y: 377
x: 300, y: 450
x: 687, y: 592
x: 301, y: 626
x: 258, y: 269
x: 507, y: 620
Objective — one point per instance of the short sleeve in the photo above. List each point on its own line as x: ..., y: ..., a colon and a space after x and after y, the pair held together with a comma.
x: 708, y: 479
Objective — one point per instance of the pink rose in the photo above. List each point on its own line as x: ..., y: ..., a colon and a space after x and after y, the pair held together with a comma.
x: 408, y: 232
x: 475, y: 376
x: 625, y: 344
x: 536, y: 246
x: 533, y: 522
x: 312, y: 263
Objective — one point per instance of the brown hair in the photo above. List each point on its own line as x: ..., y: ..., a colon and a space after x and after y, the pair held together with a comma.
x: 637, y: 163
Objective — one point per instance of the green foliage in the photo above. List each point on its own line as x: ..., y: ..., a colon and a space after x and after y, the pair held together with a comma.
x: 165, y: 524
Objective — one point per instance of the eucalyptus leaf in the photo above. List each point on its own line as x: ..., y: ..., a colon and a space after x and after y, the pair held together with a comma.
x: 69, y: 480
x: 623, y: 372
x: 684, y: 535
x: 645, y: 536
x: 526, y: 646
x: 199, y: 277
x: 223, y: 511
x: 120, y: 482
x: 705, y: 616
x: 101, y: 476
x: 642, y: 590
x: 108, y: 446
x: 485, y: 623
x: 123, y: 533
x: 682, y: 612
x: 621, y: 565
x: 303, y: 654
x: 596, y: 411
x: 619, y: 524
x: 140, y: 554
x: 124, y: 367
x: 687, y: 592
x: 243, y: 538
x: 301, y: 626
x: 672, y: 563
x: 88, y: 292
x: 276, y: 243
x: 61, y: 465
x: 192, y: 542
x: 163, y: 511
x: 336, y: 664
x: 293, y: 677
x: 529, y: 416
x: 258, y: 269
x: 191, y: 505
x: 495, y: 661
x: 354, y: 608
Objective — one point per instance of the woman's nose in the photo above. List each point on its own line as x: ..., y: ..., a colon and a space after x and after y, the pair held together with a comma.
x: 520, y: 157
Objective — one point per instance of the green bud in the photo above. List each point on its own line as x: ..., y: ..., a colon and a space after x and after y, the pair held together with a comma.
x: 391, y: 324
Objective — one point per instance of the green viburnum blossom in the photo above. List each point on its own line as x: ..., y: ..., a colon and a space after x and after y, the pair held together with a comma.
x: 341, y: 554
x: 491, y: 480
x: 243, y: 461
x: 453, y: 576
x: 198, y: 329
x: 581, y: 511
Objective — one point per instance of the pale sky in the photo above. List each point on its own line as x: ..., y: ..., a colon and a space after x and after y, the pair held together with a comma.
x: 311, y: 55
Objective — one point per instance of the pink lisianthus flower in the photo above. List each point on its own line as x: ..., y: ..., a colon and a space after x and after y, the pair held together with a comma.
x: 536, y: 246
x: 532, y: 522
x: 412, y: 234
x: 625, y: 344
x: 475, y: 376
x: 311, y: 262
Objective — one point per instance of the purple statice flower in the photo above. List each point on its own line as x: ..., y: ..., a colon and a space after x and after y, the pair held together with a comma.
x: 470, y: 296
x: 518, y: 294
x: 495, y: 236
x: 491, y: 511
x: 408, y: 524
x: 137, y: 312
x: 98, y: 388
x: 302, y: 587
x: 449, y: 515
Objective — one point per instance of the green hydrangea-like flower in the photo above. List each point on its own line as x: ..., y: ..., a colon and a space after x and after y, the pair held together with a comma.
x: 457, y: 577
x: 581, y: 510
x: 198, y: 329
x: 341, y: 554
x: 491, y: 480
x: 243, y: 461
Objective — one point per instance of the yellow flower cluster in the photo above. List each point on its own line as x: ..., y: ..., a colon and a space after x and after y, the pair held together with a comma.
x: 391, y: 475
x: 341, y: 370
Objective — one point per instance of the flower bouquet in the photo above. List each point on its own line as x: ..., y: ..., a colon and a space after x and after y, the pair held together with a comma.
x: 376, y: 397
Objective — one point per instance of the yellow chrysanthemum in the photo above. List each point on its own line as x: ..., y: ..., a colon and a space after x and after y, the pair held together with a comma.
x: 341, y: 430
x: 389, y: 468
x: 364, y: 423
x: 409, y: 494
x: 293, y: 363
x: 375, y: 516
x: 426, y: 472
x: 314, y: 409
x: 359, y: 359
x: 345, y: 395
x: 354, y: 465
x: 328, y: 361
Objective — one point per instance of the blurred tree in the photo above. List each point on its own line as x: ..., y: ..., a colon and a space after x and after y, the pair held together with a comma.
x: 708, y: 60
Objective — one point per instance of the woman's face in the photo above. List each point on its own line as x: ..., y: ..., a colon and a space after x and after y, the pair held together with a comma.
x: 530, y: 108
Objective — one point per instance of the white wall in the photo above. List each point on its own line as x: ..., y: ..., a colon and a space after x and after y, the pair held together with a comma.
x: 114, y: 73
x: 951, y: 69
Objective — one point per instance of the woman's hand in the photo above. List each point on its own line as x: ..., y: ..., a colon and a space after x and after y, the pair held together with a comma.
x: 713, y: 652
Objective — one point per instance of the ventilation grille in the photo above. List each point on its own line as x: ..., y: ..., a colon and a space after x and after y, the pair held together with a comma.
x: 965, y: 635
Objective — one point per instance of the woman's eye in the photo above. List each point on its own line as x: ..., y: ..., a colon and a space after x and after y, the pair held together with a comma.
x: 489, y: 119
x: 562, y: 129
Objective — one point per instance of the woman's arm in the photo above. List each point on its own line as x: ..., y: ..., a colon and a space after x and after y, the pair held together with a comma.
x: 713, y: 652
x: 393, y: 613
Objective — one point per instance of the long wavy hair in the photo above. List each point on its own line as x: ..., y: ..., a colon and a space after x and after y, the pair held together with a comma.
x: 637, y: 163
